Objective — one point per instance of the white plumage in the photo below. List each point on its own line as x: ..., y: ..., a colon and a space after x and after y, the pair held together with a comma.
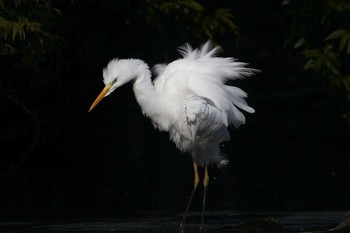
x: 189, y: 95
x: 189, y: 98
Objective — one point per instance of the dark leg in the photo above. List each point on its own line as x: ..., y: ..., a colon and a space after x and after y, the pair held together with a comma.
x: 205, y: 185
x: 195, y: 184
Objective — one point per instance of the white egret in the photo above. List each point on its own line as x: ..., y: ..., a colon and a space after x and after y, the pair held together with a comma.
x: 189, y: 99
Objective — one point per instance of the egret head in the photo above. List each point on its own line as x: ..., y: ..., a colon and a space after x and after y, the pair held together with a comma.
x: 117, y: 73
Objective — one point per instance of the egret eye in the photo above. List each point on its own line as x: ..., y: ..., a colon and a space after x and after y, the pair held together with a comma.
x: 114, y: 81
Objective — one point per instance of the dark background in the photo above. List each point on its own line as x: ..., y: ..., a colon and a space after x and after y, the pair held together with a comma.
x: 59, y: 160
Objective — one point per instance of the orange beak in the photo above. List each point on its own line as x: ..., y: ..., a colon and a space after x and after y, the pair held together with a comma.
x: 100, y: 96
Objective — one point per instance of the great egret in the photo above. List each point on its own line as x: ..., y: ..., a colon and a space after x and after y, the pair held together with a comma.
x: 190, y: 100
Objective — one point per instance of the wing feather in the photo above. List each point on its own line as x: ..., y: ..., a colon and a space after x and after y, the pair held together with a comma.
x: 202, y: 105
x: 207, y: 130
x: 210, y: 81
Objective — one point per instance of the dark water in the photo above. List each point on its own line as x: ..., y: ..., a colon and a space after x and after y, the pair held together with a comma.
x: 169, y: 222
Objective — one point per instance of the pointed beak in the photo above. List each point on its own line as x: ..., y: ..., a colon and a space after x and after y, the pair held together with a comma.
x: 100, y: 96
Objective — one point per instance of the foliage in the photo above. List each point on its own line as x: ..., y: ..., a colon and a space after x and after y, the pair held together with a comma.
x: 22, y: 28
x: 25, y: 42
x: 201, y: 21
x: 320, y: 29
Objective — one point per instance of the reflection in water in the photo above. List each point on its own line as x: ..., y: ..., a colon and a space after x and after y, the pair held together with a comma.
x: 168, y: 222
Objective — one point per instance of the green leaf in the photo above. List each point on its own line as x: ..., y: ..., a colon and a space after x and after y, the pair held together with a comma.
x: 300, y: 42
x: 310, y: 64
x: 336, y: 34
x: 226, y: 16
x: 346, y: 83
x: 17, y: 31
x: 334, y: 67
x: 312, y: 53
x: 343, y: 42
x: 6, y: 49
x: 193, y: 5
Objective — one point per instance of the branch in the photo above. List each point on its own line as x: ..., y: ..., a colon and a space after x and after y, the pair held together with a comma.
x: 28, y: 152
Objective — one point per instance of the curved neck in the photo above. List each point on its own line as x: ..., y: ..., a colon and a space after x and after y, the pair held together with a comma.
x: 148, y: 98
x: 144, y: 89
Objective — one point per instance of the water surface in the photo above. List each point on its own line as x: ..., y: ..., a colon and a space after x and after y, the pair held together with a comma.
x: 169, y: 222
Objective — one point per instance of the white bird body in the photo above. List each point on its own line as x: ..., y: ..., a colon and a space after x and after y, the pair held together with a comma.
x: 189, y: 99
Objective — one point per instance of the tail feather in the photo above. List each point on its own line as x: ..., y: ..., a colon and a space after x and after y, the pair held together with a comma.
x: 237, y: 95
